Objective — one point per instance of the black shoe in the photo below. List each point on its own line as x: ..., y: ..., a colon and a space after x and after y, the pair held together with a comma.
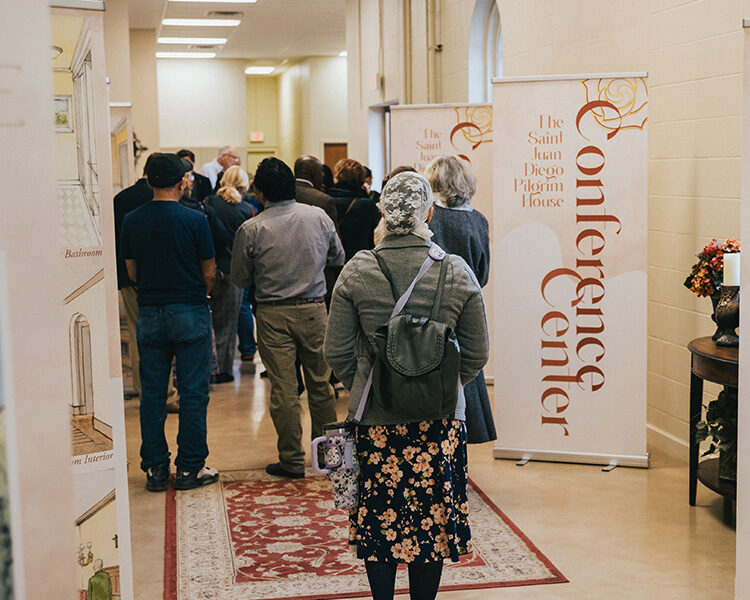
x: 157, y: 478
x: 188, y: 480
x: 264, y: 374
x: 222, y: 378
x: 278, y: 471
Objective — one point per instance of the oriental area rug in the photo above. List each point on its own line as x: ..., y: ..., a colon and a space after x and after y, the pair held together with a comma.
x: 255, y: 537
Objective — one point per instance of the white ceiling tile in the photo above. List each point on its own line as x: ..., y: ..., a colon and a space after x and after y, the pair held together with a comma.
x: 269, y: 28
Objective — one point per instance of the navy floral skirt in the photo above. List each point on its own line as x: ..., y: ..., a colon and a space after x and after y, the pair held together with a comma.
x: 413, y: 504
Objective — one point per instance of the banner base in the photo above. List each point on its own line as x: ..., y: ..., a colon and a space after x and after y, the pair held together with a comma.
x: 620, y: 460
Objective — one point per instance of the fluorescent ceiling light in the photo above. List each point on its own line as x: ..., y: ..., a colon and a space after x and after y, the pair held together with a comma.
x: 259, y: 70
x: 202, y: 22
x: 219, y: 1
x: 192, y: 40
x: 185, y: 54
x: 343, y: 53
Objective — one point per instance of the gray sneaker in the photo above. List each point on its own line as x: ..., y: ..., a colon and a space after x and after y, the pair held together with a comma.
x: 188, y: 480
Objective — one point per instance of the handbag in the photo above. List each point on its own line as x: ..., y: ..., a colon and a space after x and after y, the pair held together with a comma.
x: 338, y: 442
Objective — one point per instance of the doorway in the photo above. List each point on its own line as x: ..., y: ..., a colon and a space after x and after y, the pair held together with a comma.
x: 333, y: 152
x: 83, y: 381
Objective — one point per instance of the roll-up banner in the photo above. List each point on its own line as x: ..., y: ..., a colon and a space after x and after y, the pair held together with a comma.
x: 87, y: 258
x: 421, y: 132
x: 570, y: 224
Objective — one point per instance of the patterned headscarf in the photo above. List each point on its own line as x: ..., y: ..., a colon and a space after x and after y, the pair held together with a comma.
x: 405, y: 203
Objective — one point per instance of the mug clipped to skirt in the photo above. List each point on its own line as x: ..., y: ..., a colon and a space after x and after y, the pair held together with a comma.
x: 341, y: 464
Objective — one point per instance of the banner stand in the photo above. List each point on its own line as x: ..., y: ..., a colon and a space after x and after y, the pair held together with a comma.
x: 570, y: 268
x: 620, y: 460
x: 421, y: 132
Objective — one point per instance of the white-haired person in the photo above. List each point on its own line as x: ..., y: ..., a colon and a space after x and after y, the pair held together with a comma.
x: 463, y: 230
x: 413, y: 505
x: 225, y: 158
x: 232, y: 211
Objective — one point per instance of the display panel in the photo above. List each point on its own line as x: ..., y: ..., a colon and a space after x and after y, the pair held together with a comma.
x: 570, y: 192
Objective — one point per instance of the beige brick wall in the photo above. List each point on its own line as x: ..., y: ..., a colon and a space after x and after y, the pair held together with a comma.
x: 692, y: 50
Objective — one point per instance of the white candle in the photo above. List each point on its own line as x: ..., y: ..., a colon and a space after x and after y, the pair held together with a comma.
x: 732, y: 269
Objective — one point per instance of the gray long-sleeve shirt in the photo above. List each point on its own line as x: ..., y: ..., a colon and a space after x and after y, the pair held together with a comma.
x: 284, y: 250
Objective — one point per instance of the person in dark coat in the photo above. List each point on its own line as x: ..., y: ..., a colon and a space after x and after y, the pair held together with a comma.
x: 219, y: 232
x: 201, y: 185
x: 358, y: 215
x: 308, y: 173
x: 460, y: 229
x: 232, y: 212
x: 327, y: 178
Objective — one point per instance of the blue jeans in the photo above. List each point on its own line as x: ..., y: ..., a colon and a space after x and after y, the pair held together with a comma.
x: 246, y: 326
x: 182, y: 331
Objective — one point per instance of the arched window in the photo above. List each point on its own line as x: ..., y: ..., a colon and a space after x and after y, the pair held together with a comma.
x: 485, y: 50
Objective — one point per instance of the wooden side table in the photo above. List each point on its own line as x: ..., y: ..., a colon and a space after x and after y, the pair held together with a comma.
x: 718, y: 364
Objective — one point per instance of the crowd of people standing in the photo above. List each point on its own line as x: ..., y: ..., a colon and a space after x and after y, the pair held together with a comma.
x: 207, y: 258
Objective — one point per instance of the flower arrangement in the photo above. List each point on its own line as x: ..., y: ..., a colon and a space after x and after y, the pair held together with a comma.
x: 706, y: 275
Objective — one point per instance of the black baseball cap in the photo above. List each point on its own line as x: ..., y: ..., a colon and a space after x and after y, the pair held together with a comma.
x: 165, y: 170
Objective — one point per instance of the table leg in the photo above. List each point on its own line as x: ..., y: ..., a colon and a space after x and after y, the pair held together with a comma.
x: 696, y: 404
x: 729, y: 512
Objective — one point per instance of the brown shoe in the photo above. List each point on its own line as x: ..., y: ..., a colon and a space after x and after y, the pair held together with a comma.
x: 173, y: 407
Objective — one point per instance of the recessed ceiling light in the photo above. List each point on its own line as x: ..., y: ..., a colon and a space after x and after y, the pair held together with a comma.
x: 259, y: 70
x: 343, y: 53
x: 185, y: 54
x: 202, y: 22
x: 192, y: 40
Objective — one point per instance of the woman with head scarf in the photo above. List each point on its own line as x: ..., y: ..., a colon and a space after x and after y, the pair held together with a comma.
x: 413, y: 499
x: 463, y: 230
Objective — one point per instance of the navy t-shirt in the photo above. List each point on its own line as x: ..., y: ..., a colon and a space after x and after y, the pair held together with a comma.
x: 167, y: 242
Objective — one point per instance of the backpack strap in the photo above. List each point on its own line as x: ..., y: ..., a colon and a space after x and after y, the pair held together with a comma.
x: 439, y: 292
x: 387, y: 272
x: 351, y: 206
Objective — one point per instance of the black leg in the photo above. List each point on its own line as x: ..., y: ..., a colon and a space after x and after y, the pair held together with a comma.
x: 424, y: 580
x: 696, y: 404
x: 382, y: 579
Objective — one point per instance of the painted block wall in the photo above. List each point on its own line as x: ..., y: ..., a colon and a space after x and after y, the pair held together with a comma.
x: 693, y: 53
x: 143, y: 90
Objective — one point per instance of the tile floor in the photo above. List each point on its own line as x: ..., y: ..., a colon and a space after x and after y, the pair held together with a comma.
x: 627, y: 534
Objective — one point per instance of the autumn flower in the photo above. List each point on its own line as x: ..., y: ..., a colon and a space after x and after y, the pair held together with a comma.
x: 707, y: 274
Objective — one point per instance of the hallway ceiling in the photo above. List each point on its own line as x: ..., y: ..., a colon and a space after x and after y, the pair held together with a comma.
x: 270, y: 29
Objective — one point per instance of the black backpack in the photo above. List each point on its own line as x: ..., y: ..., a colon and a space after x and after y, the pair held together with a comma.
x: 415, y: 374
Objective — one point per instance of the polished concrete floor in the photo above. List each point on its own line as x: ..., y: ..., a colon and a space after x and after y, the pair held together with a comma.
x: 626, y: 534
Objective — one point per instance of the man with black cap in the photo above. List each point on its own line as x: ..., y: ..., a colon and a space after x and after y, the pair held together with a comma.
x: 169, y: 254
x: 125, y: 201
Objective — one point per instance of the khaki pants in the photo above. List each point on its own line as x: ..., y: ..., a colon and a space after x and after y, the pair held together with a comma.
x: 283, y: 333
x: 130, y: 302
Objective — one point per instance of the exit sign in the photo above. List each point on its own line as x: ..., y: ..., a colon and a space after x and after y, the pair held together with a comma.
x: 256, y: 136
